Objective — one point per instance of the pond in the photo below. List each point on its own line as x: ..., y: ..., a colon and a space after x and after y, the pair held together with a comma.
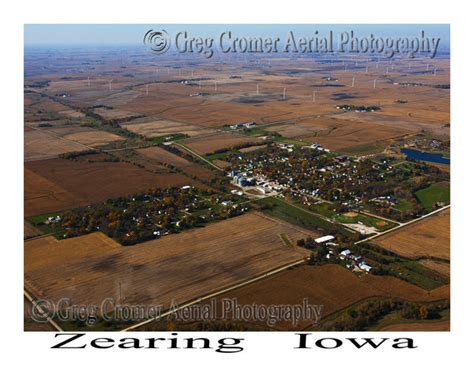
x: 425, y: 156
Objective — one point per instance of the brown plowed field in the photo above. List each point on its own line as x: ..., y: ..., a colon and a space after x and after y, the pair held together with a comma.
x: 209, y: 144
x: 164, y: 156
x: 58, y: 184
x: 183, y: 266
x: 29, y: 231
x: 164, y: 127
x: 41, y: 145
x: 329, y: 285
x: 339, y: 134
x: 426, y: 238
x: 441, y: 267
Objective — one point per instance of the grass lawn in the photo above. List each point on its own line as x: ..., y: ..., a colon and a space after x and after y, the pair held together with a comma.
x: 437, y: 192
x: 368, y: 149
x: 221, y: 156
x: 325, y: 210
x: 38, y: 222
x: 403, y: 206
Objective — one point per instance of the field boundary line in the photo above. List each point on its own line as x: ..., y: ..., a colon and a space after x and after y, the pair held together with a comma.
x: 217, y: 293
x: 199, y: 156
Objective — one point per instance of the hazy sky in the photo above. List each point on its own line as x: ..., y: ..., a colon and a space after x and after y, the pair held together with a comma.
x: 94, y: 34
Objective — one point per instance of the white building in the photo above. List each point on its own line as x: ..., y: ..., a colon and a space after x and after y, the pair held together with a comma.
x: 324, y: 239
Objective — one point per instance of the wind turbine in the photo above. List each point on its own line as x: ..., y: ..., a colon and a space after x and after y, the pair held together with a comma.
x: 88, y: 81
x: 284, y: 93
x: 146, y: 88
x: 353, y: 81
x: 110, y: 84
x: 375, y: 83
x: 314, y: 96
x: 258, y: 90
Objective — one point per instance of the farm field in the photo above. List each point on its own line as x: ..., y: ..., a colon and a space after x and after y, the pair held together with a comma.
x: 114, y: 114
x: 331, y: 286
x: 426, y: 238
x: 157, y: 128
x: 49, y: 142
x: 339, y: 134
x: 441, y: 267
x: 42, y: 145
x: 29, y: 231
x: 435, y: 193
x: 165, y: 157
x: 50, y: 187
x: 179, y: 267
x: 85, y: 135
x: 220, y: 141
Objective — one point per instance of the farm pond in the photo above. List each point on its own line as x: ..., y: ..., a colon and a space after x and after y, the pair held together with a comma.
x: 425, y: 156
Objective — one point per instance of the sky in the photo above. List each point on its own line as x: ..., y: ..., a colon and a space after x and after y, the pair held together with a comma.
x: 97, y: 34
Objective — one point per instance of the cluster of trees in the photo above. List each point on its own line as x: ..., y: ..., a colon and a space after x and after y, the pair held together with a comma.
x: 367, y: 314
x: 361, y: 108
x: 158, y: 212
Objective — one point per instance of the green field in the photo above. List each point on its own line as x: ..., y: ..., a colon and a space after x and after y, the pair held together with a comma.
x: 403, y: 206
x: 325, y: 209
x: 368, y: 149
x: 38, y: 222
x: 437, y: 192
x: 211, y: 157
x: 287, y: 212
x: 400, y: 267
